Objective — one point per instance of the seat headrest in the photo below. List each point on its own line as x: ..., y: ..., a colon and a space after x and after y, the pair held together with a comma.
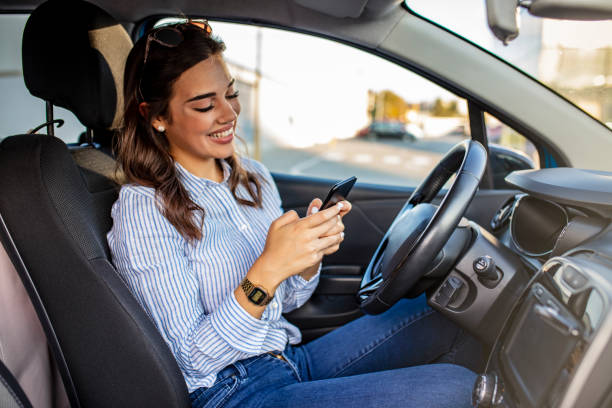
x: 74, y: 56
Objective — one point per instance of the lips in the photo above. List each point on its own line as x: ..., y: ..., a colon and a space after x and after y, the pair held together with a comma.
x: 222, y: 136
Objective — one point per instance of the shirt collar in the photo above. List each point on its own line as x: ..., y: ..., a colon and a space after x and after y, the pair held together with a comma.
x: 195, y: 183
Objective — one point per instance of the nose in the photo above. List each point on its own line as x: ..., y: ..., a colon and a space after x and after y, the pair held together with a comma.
x: 227, y: 113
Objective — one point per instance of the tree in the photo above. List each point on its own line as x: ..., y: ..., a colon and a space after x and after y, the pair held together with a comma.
x: 386, y: 105
x: 441, y: 108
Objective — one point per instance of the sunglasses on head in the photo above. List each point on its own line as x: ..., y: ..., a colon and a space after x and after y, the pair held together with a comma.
x: 170, y: 36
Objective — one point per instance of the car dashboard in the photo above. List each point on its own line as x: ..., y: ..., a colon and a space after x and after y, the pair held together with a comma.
x: 554, y: 345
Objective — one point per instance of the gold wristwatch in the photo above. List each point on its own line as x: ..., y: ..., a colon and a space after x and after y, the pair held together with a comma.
x: 256, y: 294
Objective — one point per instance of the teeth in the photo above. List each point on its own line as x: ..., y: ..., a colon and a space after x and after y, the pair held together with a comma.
x: 221, y: 134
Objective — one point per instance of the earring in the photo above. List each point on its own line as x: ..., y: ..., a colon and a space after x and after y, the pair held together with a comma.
x: 161, y: 129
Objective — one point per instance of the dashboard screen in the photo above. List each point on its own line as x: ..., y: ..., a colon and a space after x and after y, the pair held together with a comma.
x: 537, y: 350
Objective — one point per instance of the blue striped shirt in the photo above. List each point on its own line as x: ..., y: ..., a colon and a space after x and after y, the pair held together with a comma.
x: 188, y: 289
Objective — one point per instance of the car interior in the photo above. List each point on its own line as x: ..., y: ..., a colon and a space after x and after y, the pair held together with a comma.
x: 524, y: 268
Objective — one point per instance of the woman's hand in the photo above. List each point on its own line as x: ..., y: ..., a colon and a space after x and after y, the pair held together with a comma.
x: 295, y: 244
x: 313, y: 208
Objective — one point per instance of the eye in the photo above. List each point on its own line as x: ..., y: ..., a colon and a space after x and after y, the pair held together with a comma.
x: 206, y: 109
x: 234, y: 95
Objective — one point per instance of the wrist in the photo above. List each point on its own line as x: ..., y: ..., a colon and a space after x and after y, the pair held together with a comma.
x: 308, y: 273
x: 261, y: 275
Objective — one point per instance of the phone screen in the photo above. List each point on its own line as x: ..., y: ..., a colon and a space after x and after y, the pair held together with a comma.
x: 338, y: 192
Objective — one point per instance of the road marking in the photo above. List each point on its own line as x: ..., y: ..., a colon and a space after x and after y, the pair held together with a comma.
x: 392, y: 159
x: 362, y: 158
x: 420, y: 161
x: 335, y: 156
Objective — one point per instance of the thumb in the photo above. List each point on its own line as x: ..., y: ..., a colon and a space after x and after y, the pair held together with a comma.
x: 314, y: 207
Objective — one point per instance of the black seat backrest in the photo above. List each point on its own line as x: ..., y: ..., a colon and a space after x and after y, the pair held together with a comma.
x: 58, y: 214
x: 114, y: 353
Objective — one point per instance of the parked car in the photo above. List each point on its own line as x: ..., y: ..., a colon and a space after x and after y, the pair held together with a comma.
x: 386, y: 130
x: 526, y: 270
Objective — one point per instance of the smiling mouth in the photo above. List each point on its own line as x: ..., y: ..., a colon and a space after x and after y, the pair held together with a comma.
x: 220, y: 135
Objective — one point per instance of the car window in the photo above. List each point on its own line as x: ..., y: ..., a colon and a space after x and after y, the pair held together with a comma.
x: 20, y: 110
x: 509, y: 139
x: 508, y: 151
x: 317, y: 108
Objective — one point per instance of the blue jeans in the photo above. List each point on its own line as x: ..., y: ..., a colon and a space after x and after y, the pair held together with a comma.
x: 373, y: 361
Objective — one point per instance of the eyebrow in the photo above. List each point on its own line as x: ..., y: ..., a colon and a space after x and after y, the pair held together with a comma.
x: 208, y: 95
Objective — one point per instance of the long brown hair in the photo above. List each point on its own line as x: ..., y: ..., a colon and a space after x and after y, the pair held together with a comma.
x: 143, y: 152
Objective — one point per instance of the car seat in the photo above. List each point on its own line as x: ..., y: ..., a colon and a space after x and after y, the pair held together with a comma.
x: 23, y: 340
x: 58, y: 213
x: 11, y: 394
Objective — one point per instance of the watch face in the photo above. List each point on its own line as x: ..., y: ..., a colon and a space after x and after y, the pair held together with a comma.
x: 258, y: 296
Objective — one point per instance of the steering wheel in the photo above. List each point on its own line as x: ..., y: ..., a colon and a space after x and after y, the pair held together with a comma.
x: 421, y: 229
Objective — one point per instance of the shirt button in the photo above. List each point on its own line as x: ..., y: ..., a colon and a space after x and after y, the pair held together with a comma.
x: 244, y: 227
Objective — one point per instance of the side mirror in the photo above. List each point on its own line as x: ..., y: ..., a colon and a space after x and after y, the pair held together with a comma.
x: 504, y: 161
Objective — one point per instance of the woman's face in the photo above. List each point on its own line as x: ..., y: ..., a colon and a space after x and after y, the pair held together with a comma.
x: 202, y: 115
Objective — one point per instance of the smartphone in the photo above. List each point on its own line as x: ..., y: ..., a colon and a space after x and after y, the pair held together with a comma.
x: 338, y: 192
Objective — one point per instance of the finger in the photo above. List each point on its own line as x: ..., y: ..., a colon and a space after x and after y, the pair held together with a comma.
x: 346, y: 208
x: 336, y: 229
x: 286, y: 218
x: 325, y: 228
x: 322, y: 216
x: 323, y: 243
x: 314, y: 206
x: 331, y: 250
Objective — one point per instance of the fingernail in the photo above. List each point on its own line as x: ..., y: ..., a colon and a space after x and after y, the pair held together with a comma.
x: 339, y: 218
x: 314, y: 210
x: 340, y: 206
x: 342, y: 235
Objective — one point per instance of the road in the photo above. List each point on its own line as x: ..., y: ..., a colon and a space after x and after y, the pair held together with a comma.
x: 381, y: 161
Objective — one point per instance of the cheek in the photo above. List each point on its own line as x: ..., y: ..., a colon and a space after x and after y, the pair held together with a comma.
x: 198, y: 121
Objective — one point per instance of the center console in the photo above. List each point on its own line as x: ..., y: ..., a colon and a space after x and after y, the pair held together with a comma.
x: 553, y: 349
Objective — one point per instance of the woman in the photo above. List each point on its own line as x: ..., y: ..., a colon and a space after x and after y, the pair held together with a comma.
x: 200, y: 238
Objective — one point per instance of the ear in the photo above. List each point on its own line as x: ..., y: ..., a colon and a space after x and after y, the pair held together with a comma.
x: 157, y: 123
x: 143, y: 108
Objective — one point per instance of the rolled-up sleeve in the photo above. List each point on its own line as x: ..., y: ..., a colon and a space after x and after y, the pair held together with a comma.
x: 299, y: 290
x: 150, y: 255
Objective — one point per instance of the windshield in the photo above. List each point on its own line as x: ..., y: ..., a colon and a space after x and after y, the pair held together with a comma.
x: 572, y: 57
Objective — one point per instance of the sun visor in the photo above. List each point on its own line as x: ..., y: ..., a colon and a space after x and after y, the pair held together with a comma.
x: 74, y: 56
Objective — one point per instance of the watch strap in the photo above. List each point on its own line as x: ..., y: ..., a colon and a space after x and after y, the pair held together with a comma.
x: 256, y: 294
